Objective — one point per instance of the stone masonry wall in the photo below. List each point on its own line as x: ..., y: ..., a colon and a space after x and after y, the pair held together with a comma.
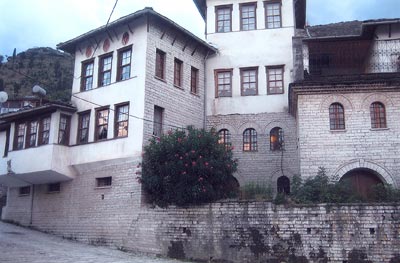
x: 358, y: 146
x: 262, y: 232
x: 264, y: 165
x: 181, y: 107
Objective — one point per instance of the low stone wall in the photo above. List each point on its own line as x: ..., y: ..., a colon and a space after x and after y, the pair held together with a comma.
x: 262, y: 232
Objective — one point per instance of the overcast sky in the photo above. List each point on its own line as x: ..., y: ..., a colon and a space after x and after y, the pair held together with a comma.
x: 45, y: 23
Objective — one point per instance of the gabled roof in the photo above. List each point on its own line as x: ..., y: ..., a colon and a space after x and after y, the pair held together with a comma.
x: 202, y: 7
x: 70, y: 45
x: 36, y: 111
x: 346, y: 29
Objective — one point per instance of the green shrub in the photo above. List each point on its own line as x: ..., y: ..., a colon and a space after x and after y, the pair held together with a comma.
x: 188, y: 168
x: 256, y: 191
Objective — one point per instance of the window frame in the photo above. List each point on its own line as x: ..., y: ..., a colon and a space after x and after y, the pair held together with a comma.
x: 242, y: 83
x: 241, y: 6
x: 104, y: 182
x: 121, y: 67
x: 17, y: 136
x: 194, y: 80
x: 337, y: 119
x: 80, y: 127
x: 270, y: 3
x: 29, y: 133
x: 225, y: 138
x: 117, y: 122
x: 217, y: 9
x: 102, y: 71
x: 378, y: 115
x: 53, y: 188
x: 158, y: 126
x: 217, y: 84
x: 42, y: 130
x: 161, y: 58
x: 98, y: 126
x: 21, y: 191
x: 278, y: 145
x: 178, y: 72
x: 66, y: 132
x: 267, y: 71
x: 250, y: 139
x: 85, y: 77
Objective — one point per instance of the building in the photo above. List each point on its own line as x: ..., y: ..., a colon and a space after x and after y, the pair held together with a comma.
x: 289, y: 98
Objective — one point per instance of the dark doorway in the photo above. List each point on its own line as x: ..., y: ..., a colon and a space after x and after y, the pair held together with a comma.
x: 283, y: 185
x: 362, y: 180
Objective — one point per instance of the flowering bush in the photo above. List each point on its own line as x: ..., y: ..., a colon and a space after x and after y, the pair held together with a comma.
x: 188, y: 168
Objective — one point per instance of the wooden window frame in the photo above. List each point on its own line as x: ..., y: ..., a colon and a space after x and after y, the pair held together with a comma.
x: 29, y: 134
x: 194, y: 80
x: 378, y: 115
x: 42, y: 130
x: 242, y: 82
x: 121, y: 67
x: 98, y: 126
x: 266, y: 4
x: 253, y: 4
x: 86, y: 77
x: 269, y: 81
x: 217, y: 9
x: 337, y: 119
x: 104, y: 182
x: 276, y: 139
x: 103, y: 72
x: 160, y: 64
x: 17, y: 136
x: 217, y: 84
x: 64, y: 132
x: 158, y: 126
x: 224, y: 137
x: 250, y: 139
x: 178, y: 72
x: 80, y: 127
x: 117, y: 122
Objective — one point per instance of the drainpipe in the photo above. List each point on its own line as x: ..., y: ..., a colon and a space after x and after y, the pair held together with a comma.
x: 205, y: 91
x: 33, y: 194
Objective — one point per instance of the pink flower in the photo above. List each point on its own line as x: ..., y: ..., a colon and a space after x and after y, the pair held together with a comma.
x: 193, y: 151
x: 200, y: 157
x: 232, y: 148
x: 176, y: 155
x: 186, y: 154
x: 181, y: 158
x: 206, y: 163
x: 179, y: 140
x: 200, y: 179
x: 193, y: 163
x: 186, y: 164
x: 184, y: 172
x: 169, y: 132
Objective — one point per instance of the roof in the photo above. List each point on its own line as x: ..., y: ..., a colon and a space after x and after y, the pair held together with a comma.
x: 202, y: 7
x: 70, y: 45
x: 346, y: 29
x: 32, y: 112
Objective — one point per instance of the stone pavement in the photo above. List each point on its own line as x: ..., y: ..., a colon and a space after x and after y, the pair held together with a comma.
x: 22, y: 245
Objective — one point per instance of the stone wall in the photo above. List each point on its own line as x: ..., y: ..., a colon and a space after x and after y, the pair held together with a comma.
x: 263, y: 165
x: 263, y: 232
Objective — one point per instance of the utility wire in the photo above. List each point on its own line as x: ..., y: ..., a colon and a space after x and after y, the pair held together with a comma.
x: 112, y: 11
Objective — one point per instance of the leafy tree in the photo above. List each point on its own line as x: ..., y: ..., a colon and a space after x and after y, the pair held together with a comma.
x: 188, y: 168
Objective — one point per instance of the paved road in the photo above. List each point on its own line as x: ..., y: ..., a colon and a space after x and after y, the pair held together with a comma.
x: 22, y: 245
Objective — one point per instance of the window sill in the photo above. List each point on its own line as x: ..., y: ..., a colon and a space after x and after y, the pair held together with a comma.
x: 103, y: 187
x: 53, y: 192
x: 99, y: 141
x: 195, y: 94
x: 275, y: 93
x: 219, y: 97
x: 251, y: 151
x: 160, y: 79
x: 379, y: 129
x: 337, y: 131
x: 23, y: 195
x: 178, y: 87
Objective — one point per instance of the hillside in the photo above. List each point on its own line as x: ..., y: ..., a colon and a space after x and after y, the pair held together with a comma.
x: 49, y: 68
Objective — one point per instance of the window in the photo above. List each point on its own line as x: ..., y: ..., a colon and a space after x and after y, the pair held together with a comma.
x: 105, y: 71
x: 336, y: 116
x: 223, y: 81
x: 273, y: 14
x: 158, y: 121
x: 54, y: 188
x: 83, y: 127
x: 101, y: 128
x: 103, y: 181
x: 274, y: 80
x: 26, y: 190
x: 378, y: 115
x: 224, y: 137
x: 121, y: 120
x: 63, y: 129
x: 87, y: 75
x: 19, y: 136
x: 124, y: 64
x: 160, y: 64
x: 194, y: 80
x: 31, y: 134
x: 248, y: 16
x: 223, y: 18
x: 250, y: 140
x: 177, y: 73
x: 276, y: 139
x: 44, y: 130
x: 248, y: 77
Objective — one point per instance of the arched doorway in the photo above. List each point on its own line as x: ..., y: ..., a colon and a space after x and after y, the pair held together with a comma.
x: 283, y: 185
x: 362, y: 180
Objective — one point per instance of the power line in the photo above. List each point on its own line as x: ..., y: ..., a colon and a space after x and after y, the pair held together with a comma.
x: 112, y: 11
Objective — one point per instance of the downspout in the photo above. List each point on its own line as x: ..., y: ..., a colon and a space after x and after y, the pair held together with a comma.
x: 205, y: 91
x: 33, y: 194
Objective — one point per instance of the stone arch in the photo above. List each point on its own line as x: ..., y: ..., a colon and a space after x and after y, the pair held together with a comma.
x: 247, y: 125
x: 375, y: 97
x: 380, y: 170
x: 346, y: 102
x: 229, y: 127
x: 283, y: 184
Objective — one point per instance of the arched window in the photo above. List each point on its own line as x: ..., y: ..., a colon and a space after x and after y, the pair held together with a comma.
x: 336, y: 116
x: 276, y: 139
x: 378, y: 115
x: 283, y: 185
x: 224, y: 137
x: 250, y: 140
